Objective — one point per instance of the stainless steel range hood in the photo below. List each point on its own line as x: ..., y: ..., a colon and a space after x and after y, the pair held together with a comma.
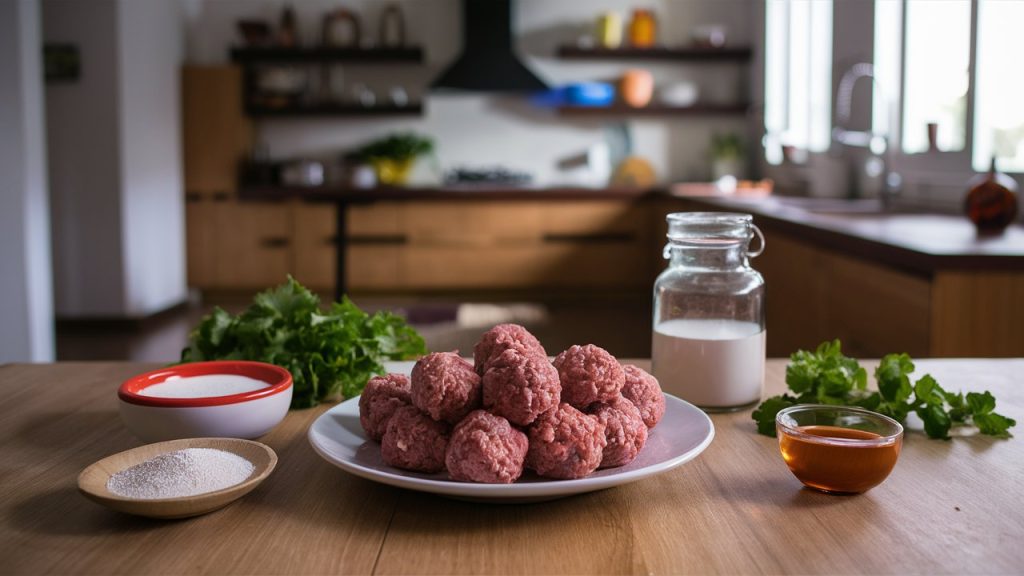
x: 488, y: 63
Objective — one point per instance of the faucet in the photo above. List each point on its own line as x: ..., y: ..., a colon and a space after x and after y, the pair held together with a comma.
x: 878, y: 144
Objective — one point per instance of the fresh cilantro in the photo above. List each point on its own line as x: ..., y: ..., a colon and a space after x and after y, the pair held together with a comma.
x: 825, y: 376
x: 330, y: 353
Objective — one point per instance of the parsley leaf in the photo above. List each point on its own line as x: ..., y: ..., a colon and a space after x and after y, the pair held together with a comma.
x: 330, y: 353
x: 825, y: 376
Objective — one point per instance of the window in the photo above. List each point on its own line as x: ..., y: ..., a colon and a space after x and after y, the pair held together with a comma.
x: 798, y: 72
x: 999, y: 116
x: 923, y: 62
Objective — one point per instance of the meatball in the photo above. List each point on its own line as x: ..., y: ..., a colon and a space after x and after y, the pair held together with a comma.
x: 504, y: 337
x: 588, y: 374
x: 486, y: 448
x: 624, y: 431
x: 644, y: 392
x: 520, y: 386
x: 381, y: 397
x: 565, y: 443
x: 414, y: 441
x: 445, y: 387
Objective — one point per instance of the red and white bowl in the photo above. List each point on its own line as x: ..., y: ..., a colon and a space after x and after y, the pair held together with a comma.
x: 246, y: 415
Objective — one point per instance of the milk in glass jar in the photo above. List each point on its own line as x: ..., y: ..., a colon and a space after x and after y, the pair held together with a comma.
x: 709, y: 312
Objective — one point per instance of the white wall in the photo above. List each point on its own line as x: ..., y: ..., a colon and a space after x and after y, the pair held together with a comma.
x: 152, y: 231
x: 482, y: 129
x: 26, y: 299
x: 83, y: 142
x: 115, y: 158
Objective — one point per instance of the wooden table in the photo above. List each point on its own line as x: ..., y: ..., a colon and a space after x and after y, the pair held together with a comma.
x: 954, y: 506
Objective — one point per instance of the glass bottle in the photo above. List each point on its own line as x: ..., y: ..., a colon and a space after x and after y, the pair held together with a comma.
x: 642, y: 29
x: 708, y: 337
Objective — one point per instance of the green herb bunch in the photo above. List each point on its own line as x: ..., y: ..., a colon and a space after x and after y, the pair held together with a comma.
x: 825, y: 376
x: 330, y: 353
x: 397, y: 147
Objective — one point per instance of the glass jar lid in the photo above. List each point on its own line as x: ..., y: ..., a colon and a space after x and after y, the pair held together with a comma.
x: 713, y: 229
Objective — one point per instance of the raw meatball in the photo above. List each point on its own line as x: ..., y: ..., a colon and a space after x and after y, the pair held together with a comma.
x: 565, y: 443
x: 588, y: 374
x: 504, y: 337
x: 486, y: 448
x: 414, y: 441
x: 520, y: 386
x: 381, y: 397
x: 644, y: 392
x: 624, y: 430
x: 445, y: 387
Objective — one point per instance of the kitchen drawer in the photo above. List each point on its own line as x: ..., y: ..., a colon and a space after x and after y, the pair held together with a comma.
x: 472, y: 223
x: 593, y: 218
x: 253, y: 244
x: 382, y: 219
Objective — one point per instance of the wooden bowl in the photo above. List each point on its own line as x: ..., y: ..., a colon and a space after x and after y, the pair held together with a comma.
x: 92, y: 482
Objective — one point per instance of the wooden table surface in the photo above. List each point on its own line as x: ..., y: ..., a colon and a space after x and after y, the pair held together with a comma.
x: 955, y: 506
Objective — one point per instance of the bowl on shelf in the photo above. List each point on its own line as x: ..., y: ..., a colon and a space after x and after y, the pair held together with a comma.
x: 838, y: 449
x: 243, y: 415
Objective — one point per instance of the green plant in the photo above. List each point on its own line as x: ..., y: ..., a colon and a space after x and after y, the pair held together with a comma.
x: 396, y: 147
x: 726, y: 147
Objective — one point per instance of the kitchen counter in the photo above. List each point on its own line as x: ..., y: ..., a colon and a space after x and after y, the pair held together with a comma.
x: 955, y: 506
x: 918, y: 242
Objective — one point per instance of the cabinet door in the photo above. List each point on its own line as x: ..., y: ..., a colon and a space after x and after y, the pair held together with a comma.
x: 597, y: 243
x: 201, y: 241
x: 313, y: 255
x: 253, y: 244
x: 216, y: 133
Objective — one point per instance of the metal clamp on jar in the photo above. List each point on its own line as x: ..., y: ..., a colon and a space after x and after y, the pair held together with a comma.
x: 709, y: 315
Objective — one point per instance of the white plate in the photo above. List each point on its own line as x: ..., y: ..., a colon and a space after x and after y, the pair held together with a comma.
x: 683, y: 433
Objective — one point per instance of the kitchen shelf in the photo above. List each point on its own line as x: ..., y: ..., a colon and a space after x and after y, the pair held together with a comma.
x: 692, y: 54
x: 349, y: 110
x: 654, y: 110
x: 327, y: 55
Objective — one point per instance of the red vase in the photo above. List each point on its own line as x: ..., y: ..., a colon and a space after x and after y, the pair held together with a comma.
x: 991, y: 202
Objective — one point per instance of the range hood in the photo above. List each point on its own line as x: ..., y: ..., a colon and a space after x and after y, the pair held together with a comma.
x: 487, y: 63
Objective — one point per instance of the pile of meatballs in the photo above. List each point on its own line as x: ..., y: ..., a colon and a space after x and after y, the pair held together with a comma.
x: 512, y: 409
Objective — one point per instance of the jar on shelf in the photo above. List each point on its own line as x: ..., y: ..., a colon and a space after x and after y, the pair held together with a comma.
x: 643, y: 29
x: 708, y: 337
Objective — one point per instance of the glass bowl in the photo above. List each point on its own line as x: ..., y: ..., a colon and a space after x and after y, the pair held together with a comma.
x: 838, y: 449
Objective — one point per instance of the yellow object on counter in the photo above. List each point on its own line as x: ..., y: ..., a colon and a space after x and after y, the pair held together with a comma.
x: 634, y: 171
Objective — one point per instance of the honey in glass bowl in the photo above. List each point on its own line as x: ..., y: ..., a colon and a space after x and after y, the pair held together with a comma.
x: 836, y: 449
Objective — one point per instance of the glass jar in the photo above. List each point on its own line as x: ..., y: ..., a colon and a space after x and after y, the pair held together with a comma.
x: 708, y: 338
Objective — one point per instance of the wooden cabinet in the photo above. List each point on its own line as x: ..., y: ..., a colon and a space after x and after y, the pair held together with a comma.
x: 507, y: 245
x: 216, y: 134
x: 472, y: 245
x: 235, y: 245
x: 815, y: 295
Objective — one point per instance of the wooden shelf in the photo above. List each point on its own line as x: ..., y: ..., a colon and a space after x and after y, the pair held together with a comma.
x: 348, y: 110
x: 690, y: 54
x: 653, y: 110
x: 325, y: 55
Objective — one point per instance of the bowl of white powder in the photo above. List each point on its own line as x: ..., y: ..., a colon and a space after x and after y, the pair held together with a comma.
x: 228, y: 399
x: 178, y: 478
